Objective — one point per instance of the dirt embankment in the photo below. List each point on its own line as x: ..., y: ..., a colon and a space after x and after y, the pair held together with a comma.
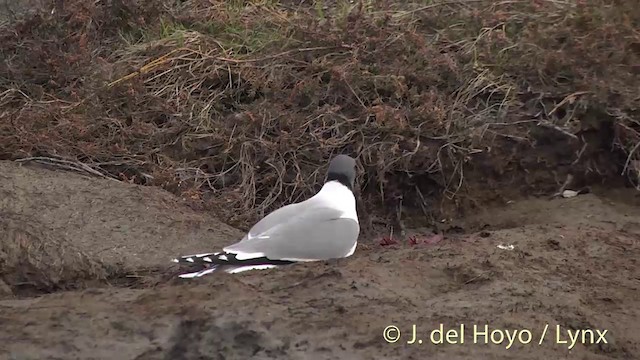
x: 60, y: 229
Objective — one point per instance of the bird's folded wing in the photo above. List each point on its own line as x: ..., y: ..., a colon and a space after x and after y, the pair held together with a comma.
x: 317, y: 233
x: 278, y: 216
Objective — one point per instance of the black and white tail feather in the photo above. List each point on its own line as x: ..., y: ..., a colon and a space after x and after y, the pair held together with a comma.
x: 226, y: 262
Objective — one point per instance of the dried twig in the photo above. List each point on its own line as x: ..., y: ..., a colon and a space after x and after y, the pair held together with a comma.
x: 549, y: 125
x: 66, y: 164
x: 631, y: 153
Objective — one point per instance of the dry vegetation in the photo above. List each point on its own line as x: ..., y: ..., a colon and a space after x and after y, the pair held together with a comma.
x: 238, y: 104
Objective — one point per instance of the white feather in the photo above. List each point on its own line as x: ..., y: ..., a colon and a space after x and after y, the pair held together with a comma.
x: 251, y: 267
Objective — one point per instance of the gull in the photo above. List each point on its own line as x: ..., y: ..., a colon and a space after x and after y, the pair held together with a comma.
x: 323, y: 227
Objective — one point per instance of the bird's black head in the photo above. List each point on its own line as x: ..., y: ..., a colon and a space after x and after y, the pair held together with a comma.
x: 342, y: 168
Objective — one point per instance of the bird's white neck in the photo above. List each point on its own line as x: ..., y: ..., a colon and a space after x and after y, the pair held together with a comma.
x: 339, y: 196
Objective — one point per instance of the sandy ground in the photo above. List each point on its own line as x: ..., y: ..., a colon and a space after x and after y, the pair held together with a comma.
x: 574, y: 267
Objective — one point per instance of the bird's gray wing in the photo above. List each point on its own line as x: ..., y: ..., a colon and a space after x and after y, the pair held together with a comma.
x: 317, y: 233
x: 275, y: 217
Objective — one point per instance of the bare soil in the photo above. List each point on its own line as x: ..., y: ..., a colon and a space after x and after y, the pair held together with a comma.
x: 574, y: 264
